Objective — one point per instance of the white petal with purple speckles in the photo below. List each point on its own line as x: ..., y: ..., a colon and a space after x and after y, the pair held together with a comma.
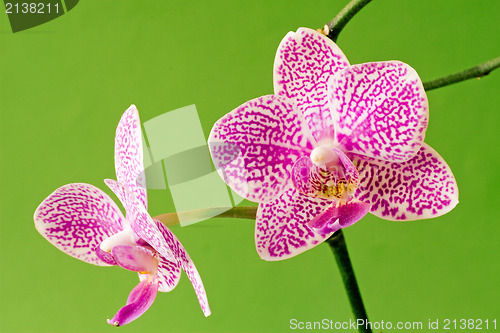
x: 129, y: 163
x: 254, y: 147
x: 142, y: 224
x: 422, y: 187
x: 380, y: 110
x: 187, y: 265
x: 76, y: 218
x: 281, y: 231
x: 169, y: 274
x: 304, y: 62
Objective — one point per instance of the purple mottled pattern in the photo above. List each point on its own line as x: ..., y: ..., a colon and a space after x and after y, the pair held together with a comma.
x: 169, y: 274
x: 269, y: 135
x: 380, y: 110
x: 304, y: 63
x: 129, y: 163
x: 421, y: 187
x: 76, y: 218
x: 141, y: 223
x: 281, y: 231
x: 187, y: 265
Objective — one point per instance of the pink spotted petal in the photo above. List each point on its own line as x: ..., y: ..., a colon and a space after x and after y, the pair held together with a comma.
x: 380, y: 110
x: 304, y: 63
x: 135, y: 258
x: 281, y: 231
x: 254, y: 147
x: 420, y: 188
x: 187, y: 265
x: 139, y: 300
x: 169, y: 274
x: 129, y: 163
x: 76, y: 218
x: 339, y: 215
x: 141, y: 223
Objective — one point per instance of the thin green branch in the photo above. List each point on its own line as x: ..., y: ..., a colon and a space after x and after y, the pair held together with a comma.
x: 471, y: 73
x: 339, y: 249
x: 338, y: 23
x: 170, y: 219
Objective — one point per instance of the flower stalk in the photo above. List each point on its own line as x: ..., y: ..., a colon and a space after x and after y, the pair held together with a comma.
x: 338, y: 23
x: 171, y: 219
x: 339, y: 248
x: 470, y: 73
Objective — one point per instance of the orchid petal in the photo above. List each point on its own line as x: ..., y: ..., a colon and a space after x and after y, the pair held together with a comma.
x: 135, y: 258
x: 141, y: 223
x: 187, y: 265
x: 339, y: 215
x: 169, y: 274
x: 304, y: 62
x: 420, y: 188
x: 281, y: 231
x: 76, y: 218
x: 254, y: 147
x: 380, y: 110
x: 139, y: 300
x: 129, y: 163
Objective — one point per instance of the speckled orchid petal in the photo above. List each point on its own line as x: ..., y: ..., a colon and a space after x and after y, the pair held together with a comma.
x: 135, y: 258
x: 141, y: 223
x: 187, y: 265
x: 129, y: 163
x: 254, y: 147
x: 169, y: 274
x: 380, y: 110
x: 139, y: 300
x: 76, y: 218
x: 339, y: 215
x: 422, y: 187
x: 281, y: 231
x: 304, y: 63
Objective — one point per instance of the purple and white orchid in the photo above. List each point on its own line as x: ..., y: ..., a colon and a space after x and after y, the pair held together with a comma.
x: 334, y: 142
x: 84, y: 222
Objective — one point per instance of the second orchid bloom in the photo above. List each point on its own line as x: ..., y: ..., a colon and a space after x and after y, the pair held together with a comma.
x: 334, y: 142
x: 85, y: 222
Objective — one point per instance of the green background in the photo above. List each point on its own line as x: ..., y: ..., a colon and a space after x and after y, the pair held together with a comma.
x: 65, y: 84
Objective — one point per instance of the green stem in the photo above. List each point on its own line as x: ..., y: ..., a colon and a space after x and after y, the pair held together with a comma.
x: 338, y: 23
x: 339, y: 248
x: 471, y: 73
x: 170, y: 219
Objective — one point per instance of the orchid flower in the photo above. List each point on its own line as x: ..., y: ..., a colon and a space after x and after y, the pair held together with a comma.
x: 84, y: 222
x: 334, y: 142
